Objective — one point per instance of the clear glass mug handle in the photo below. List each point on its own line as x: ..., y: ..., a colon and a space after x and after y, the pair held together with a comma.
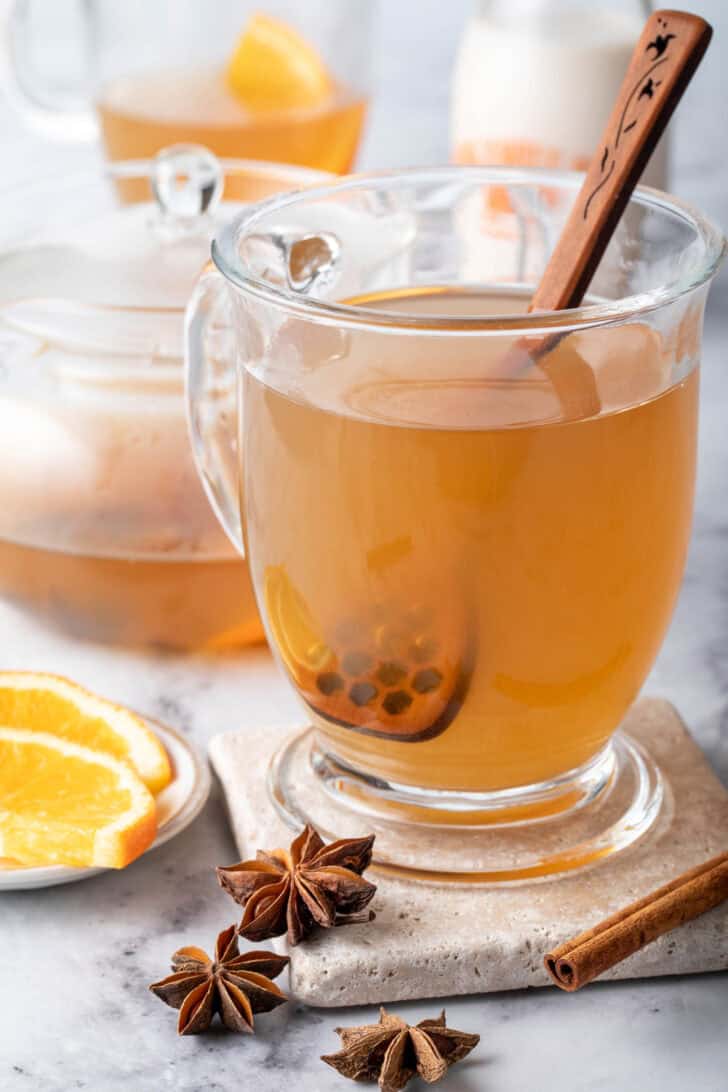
x: 211, y: 390
x: 39, y: 33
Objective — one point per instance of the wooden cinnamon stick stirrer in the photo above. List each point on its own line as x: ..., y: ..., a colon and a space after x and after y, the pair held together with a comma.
x: 666, y: 56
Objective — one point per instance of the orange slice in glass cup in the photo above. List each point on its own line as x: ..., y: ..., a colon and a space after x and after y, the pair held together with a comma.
x: 275, y: 68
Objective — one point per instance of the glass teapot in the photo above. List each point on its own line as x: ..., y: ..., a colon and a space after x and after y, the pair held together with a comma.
x: 105, y: 531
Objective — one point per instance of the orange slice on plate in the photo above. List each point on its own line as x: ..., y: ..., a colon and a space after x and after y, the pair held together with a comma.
x: 47, y: 703
x: 274, y: 68
x: 61, y: 803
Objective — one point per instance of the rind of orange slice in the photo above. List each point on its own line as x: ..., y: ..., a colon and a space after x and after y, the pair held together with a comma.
x: 39, y: 702
x: 297, y: 637
x: 274, y: 68
x: 61, y: 803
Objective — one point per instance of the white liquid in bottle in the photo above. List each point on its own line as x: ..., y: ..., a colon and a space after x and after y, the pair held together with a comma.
x: 534, y: 83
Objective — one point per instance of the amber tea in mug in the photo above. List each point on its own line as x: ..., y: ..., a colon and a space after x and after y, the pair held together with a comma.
x: 458, y: 605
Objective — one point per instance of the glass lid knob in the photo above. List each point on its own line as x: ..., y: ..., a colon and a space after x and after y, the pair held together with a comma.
x: 187, y: 181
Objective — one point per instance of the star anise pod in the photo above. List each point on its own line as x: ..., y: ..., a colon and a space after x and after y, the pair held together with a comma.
x: 393, y: 1051
x: 234, y: 985
x: 291, y: 891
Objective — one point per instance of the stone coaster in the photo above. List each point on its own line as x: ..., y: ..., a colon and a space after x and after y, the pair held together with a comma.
x: 433, y: 940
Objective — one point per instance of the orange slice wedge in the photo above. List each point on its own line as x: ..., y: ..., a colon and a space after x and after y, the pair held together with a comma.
x: 274, y: 68
x: 296, y: 634
x: 47, y: 703
x: 65, y: 804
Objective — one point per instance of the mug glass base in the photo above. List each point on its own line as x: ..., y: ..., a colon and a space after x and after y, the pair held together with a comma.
x: 511, y: 836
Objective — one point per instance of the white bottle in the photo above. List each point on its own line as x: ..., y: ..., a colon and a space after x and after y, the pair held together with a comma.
x: 535, y: 81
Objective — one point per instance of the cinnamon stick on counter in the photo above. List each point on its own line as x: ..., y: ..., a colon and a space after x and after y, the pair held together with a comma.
x: 578, y: 961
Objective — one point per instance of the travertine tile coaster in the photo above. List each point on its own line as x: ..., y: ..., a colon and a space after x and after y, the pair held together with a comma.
x: 430, y: 941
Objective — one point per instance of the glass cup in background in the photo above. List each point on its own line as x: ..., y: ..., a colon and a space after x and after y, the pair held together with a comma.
x: 105, y: 531
x: 466, y: 560
x: 151, y: 73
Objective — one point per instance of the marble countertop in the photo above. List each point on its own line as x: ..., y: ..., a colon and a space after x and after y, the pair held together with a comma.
x: 76, y: 960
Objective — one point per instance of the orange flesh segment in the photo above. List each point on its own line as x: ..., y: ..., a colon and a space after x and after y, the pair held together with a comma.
x: 274, y: 68
x: 65, y: 804
x: 47, y: 703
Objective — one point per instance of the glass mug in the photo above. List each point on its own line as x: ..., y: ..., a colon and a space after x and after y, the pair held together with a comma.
x: 466, y: 561
x: 151, y: 73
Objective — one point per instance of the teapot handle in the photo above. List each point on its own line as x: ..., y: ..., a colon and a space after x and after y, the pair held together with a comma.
x: 212, y: 389
x: 52, y: 109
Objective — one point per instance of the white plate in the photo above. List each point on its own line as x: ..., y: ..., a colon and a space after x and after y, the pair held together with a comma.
x: 177, y: 805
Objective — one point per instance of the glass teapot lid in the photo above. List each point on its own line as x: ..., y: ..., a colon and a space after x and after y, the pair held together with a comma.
x: 105, y: 262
